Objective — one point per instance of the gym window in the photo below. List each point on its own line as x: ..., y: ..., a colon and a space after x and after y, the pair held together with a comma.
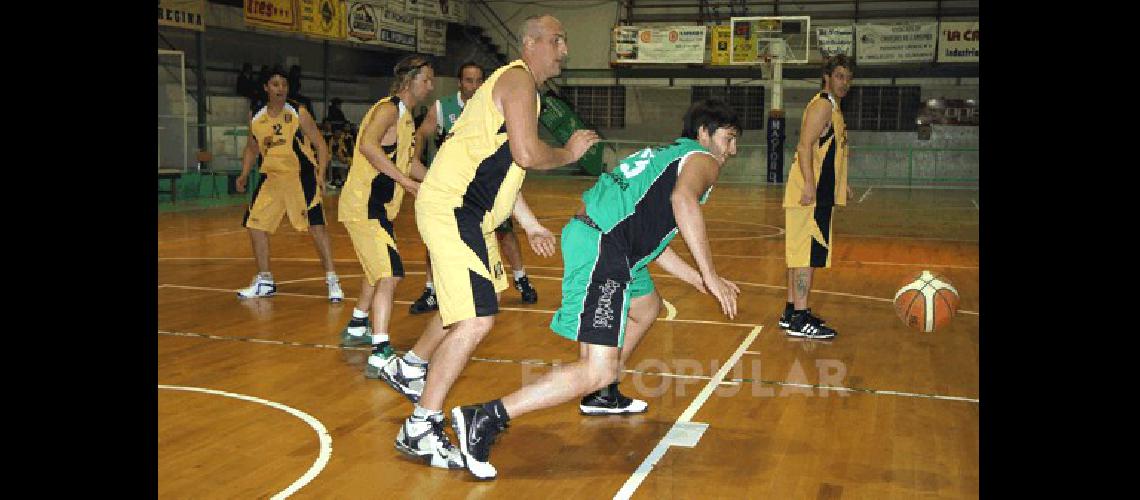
x: 601, y: 106
x: 882, y: 108
x: 747, y: 101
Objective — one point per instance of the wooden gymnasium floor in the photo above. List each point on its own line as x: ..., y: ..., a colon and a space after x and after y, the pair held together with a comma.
x: 903, y: 423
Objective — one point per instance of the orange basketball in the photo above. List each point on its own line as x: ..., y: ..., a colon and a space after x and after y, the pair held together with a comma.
x: 926, y: 302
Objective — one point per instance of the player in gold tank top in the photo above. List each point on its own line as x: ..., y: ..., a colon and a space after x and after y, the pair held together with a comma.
x: 383, y: 168
x: 283, y: 133
x: 438, y: 122
x: 472, y: 187
x: 817, y: 182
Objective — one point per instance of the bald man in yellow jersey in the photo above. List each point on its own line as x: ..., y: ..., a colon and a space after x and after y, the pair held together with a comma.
x: 383, y: 168
x: 472, y: 187
x: 284, y: 134
x: 817, y: 183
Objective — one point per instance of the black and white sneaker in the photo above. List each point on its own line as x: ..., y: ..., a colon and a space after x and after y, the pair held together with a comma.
x: 476, y: 431
x: 785, y: 321
x: 406, y: 378
x: 529, y: 294
x: 426, y: 440
x: 610, y: 401
x: 807, y: 326
x: 426, y: 302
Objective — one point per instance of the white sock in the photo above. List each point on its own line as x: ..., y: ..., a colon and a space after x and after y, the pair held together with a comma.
x: 357, y: 313
x: 430, y: 286
x: 412, y: 358
x: 421, y: 413
x: 268, y: 276
x: 519, y: 274
x: 331, y: 276
x: 379, y: 338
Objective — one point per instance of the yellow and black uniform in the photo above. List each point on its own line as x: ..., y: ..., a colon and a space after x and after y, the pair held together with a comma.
x: 470, y: 190
x: 288, y: 184
x: 370, y: 200
x: 807, y: 242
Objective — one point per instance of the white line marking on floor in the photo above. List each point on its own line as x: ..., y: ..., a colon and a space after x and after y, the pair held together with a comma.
x: 322, y: 433
x: 683, y: 425
x: 501, y: 308
x: 773, y: 257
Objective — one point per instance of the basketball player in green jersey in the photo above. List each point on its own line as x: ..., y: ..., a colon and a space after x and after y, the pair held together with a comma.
x: 817, y: 183
x: 626, y: 221
x: 441, y: 118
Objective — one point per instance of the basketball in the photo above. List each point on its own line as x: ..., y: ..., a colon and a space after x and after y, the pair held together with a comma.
x: 927, y: 302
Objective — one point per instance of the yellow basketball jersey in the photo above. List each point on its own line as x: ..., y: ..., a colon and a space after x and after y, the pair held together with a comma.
x: 280, y: 141
x: 474, y: 166
x: 834, y: 141
x: 368, y: 194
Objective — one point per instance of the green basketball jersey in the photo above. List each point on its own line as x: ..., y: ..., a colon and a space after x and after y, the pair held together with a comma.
x: 447, y: 112
x: 632, y: 202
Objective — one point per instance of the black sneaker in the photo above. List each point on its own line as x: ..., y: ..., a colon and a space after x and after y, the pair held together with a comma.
x: 807, y: 326
x: 611, y: 402
x: 529, y: 294
x: 785, y: 321
x: 425, y: 303
x: 476, y: 431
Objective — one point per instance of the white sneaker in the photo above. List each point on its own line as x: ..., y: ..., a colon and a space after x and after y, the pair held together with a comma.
x: 426, y: 440
x: 335, y: 293
x: 261, y: 287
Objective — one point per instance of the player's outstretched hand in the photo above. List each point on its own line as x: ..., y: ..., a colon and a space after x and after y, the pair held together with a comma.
x: 542, y: 241
x: 725, y: 292
x: 580, y: 141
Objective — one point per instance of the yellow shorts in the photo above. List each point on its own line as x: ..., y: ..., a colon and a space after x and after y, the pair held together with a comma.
x: 375, y: 249
x: 276, y: 196
x: 465, y: 263
x: 807, y: 242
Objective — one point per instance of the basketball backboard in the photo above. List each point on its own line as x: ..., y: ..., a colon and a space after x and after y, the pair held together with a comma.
x: 786, y: 38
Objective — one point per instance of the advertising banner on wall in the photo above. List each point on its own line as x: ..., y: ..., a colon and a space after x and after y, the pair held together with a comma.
x: 363, y: 22
x: 189, y: 14
x: 669, y: 45
x: 719, y: 38
x: 272, y: 14
x: 431, y: 36
x: 396, y: 30
x: 896, y: 42
x: 958, y: 42
x: 322, y: 18
x: 835, y: 40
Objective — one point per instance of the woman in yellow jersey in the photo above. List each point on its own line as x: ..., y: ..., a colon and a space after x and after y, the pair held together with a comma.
x: 283, y: 133
x: 817, y: 183
x: 383, y: 168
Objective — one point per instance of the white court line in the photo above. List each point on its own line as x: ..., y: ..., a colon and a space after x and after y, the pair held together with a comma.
x: 671, y: 311
x: 861, y: 198
x: 975, y: 204
x: 219, y: 233
x: 666, y: 441
x: 868, y: 297
x: 761, y: 285
x: 518, y: 309
x: 773, y: 257
x: 322, y: 433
